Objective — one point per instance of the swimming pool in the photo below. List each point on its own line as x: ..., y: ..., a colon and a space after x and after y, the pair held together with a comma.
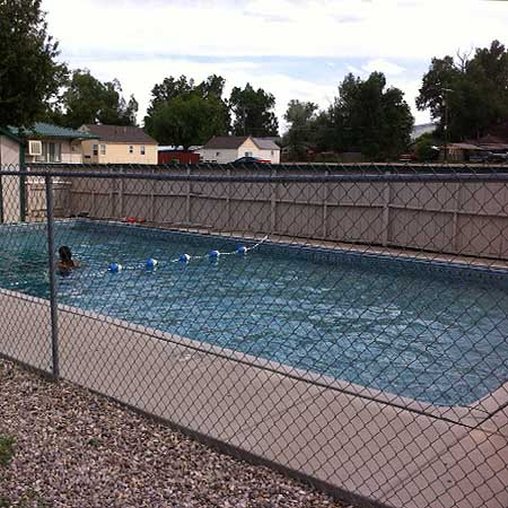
x: 425, y: 331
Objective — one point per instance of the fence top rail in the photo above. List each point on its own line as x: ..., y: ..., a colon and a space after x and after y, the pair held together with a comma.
x: 363, y: 174
x: 294, y: 166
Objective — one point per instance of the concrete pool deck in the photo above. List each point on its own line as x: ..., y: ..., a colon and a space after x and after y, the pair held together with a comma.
x: 377, y: 448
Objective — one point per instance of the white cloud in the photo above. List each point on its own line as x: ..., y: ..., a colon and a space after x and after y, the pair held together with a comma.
x: 140, y: 43
x: 382, y: 65
x: 340, y: 28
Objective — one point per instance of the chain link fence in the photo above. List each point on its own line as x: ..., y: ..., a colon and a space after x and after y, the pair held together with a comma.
x: 347, y: 325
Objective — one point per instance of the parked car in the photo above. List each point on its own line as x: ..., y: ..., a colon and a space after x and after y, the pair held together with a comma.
x: 498, y: 157
x: 479, y: 157
x: 243, y: 161
x: 486, y: 156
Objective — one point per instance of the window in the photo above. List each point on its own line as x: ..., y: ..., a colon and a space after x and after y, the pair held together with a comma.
x: 103, y: 149
x: 131, y: 149
x: 95, y: 150
x: 142, y: 150
x: 248, y: 154
x: 217, y: 154
x: 51, y: 152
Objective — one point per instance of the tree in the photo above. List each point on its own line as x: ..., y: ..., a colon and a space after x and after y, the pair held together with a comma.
x: 253, y: 112
x: 29, y: 74
x: 213, y: 86
x: 368, y: 118
x: 300, y: 136
x: 186, y: 120
x: 469, y: 95
x: 86, y: 100
x: 426, y: 149
x: 182, y: 113
x: 169, y: 89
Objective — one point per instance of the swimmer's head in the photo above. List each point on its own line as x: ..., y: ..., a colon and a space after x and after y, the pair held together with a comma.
x: 65, y: 253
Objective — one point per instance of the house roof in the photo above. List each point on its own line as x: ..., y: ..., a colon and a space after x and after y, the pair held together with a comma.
x: 48, y: 130
x: 266, y: 143
x: 226, y: 142
x: 119, y: 133
x: 234, y: 142
x: 464, y: 146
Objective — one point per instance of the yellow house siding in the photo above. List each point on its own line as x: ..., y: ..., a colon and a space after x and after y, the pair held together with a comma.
x: 119, y: 153
x: 86, y: 145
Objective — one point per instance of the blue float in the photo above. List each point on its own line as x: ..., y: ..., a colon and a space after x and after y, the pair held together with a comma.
x: 214, y: 255
x: 184, y: 259
x: 241, y: 250
x: 151, y: 263
x: 115, y: 267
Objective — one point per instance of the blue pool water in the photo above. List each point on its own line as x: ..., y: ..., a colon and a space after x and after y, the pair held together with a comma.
x: 439, y: 337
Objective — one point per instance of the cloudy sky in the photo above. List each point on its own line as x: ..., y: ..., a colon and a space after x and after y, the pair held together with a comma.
x: 295, y: 49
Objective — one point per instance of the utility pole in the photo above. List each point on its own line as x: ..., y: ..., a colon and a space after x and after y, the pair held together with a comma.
x: 445, y: 127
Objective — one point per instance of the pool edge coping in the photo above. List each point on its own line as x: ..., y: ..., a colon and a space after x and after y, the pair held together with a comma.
x: 471, y: 415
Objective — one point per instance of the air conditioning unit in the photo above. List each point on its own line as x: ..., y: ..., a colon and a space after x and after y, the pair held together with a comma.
x: 34, y: 147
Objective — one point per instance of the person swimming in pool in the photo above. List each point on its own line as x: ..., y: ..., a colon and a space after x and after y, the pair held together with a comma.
x: 66, y: 263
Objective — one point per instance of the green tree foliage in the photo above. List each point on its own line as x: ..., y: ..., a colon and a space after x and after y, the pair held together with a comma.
x: 169, y: 89
x: 183, y: 113
x: 253, y: 111
x: 86, y: 100
x: 301, y: 117
x: 368, y: 118
x: 426, y: 148
x: 29, y: 74
x: 469, y: 95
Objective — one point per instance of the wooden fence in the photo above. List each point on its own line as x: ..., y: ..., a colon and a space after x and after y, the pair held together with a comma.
x: 460, y: 217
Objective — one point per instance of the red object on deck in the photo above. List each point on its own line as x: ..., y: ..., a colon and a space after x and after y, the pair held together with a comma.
x: 177, y: 157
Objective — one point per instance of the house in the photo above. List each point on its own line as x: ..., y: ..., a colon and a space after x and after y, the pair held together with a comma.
x: 11, y: 157
x: 491, y: 147
x: 49, y: 143
x: 464, y: 152
x: 223, y: 149
x: 10, y: 148
x: 118, y: 144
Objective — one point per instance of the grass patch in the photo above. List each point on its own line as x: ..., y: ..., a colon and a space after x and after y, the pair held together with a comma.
x: 6, y: 449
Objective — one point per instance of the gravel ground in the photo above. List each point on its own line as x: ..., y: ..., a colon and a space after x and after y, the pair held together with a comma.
x: 73, y: 448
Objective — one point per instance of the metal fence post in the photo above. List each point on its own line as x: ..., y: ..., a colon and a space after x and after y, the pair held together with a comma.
x: 52, y: 278
x: 1, y: 200
x: 188, y: 199
x: 22, y: 186
x: 273, y: 203
x: 387, y: 197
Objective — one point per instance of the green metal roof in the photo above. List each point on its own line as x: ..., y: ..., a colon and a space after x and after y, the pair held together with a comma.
x: 48, y: 130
